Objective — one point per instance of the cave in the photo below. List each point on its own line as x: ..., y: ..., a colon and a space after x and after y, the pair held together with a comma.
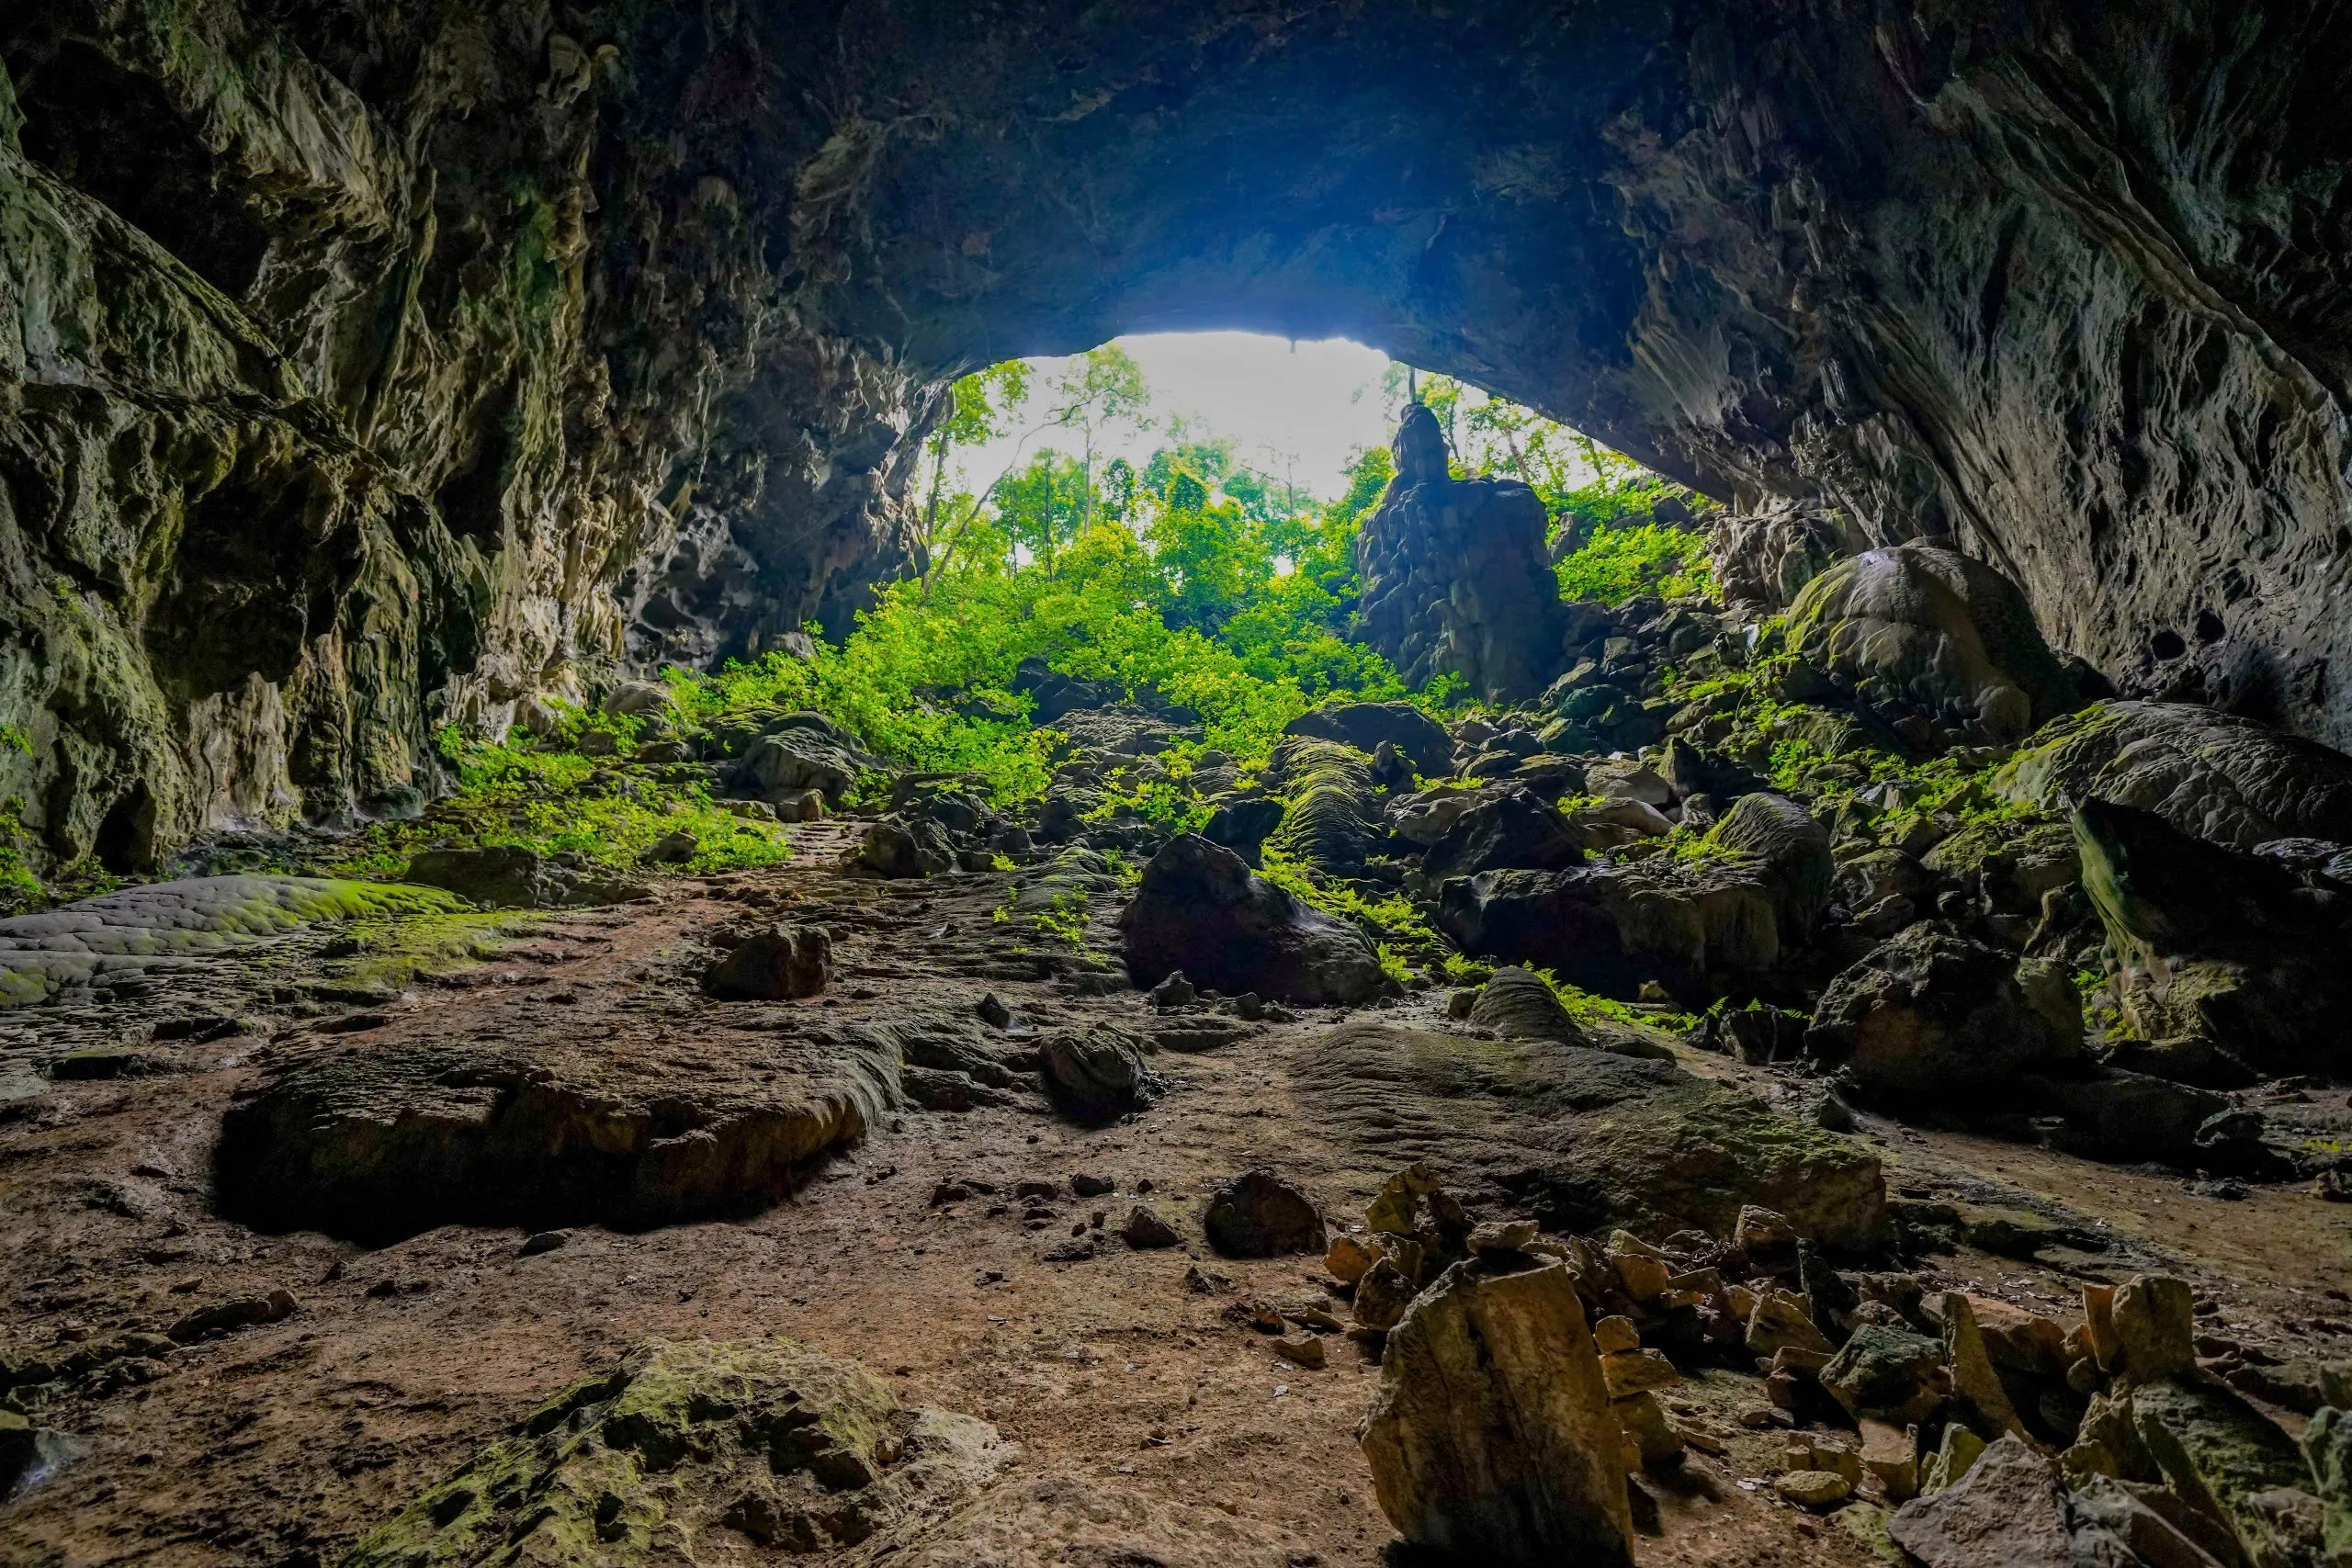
x: 429, y: 428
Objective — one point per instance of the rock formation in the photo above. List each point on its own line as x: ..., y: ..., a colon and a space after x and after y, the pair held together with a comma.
x: 369, y: 378
x: 1454, y: 575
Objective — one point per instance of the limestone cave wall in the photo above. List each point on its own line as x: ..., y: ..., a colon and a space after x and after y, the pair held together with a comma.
x: 367, y: 367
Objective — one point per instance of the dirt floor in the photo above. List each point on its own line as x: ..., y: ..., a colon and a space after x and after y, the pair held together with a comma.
x: 282, y: 1442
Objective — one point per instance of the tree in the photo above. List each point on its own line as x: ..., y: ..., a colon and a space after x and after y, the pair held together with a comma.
x: 1101, y: 388
x: 981, y: 407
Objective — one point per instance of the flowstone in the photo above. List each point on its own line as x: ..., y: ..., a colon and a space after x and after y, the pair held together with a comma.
x: 1586, y: 1139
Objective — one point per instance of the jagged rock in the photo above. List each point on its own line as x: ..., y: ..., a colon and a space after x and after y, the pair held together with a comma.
x: 1974, y: 1382
x: 1921, y: 625
x: 1510, y: 830
x: 798, y: 1451
x: 1145, y: 1231
x: 1762, y: 559
x: 2227, y: 1459
x: 1888, y: 1374
x: 1491, y: 1439
x: 1932, y: 1015
x: 1586, y: 1139
x: 1518, y: 1004
x: 510, y: 877
x: 1200, y: 909
x: 780, y: 963
x: 1609, y: 927
x: 2235, y: 948
x: 1258, y: 1215
x: 1419, y: 738
x: 2009, y: 1511
x: 1097, y: 1073
x: 2221, y: 777
x: 1455, y: 577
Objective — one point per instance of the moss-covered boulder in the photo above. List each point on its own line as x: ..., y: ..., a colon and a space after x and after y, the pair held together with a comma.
x: 1583, y: 1138
x: 1922, y: 627
x: 2218, y: 776
x: 1930, y: 1017
x: 1330, y: 807
x: 696, y: 1453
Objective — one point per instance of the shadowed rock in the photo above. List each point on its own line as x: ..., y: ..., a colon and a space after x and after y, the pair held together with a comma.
x: 1419, y: 738
x: 1258, y: 1215
x: 1931, y: 1016
x: 1511, y: 830
x: 540, y: 1126
x: 1200, y: 909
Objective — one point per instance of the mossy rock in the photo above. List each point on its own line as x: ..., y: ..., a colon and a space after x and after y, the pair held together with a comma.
x: 164, y: 924
x: 696, y: 1451
x: 1330, y: 812
x: 1586, y: 1139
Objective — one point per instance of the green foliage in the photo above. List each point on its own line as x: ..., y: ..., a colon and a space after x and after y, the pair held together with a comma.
x: 1617, y: 563
x: 547, y: 797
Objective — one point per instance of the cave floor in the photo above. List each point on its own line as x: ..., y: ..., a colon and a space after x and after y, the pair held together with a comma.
x: 281, y: 1443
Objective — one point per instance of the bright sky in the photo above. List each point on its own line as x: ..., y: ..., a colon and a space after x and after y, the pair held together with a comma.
x: 1297, y: 409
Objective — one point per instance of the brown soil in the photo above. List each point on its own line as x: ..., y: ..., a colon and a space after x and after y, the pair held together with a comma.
x: 280, y: 1443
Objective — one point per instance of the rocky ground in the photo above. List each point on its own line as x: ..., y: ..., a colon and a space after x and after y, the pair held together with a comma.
x: 188, y: 1411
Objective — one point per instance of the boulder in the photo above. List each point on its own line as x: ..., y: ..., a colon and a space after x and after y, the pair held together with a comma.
x: 1793, y: 850
x: 1584, y: 1139
x: 1146, y: 1232
x: 1511, y: 830
x: 1695, y: 928
x: 1930, y: 1015
x: 1921, y: 626
x: 1199, y: 909
x: 1054, y: 694
x: 1096, y: 1074
x: 1423, y: 819
x: 507, y: 876
x: 1491, y: 1440
x: 540, y: 1123
x: 2229, y: 780
x: 801, y: 756
x: 1241, y: 822
x: 1258, y: 1215
x: 898, y: 846
x: 1628, y: 779
x: 2228, y: 1461
x: 798, y: 1451
x: 2009, y: 1511
x: 1417, y: 737
x: 1888, y: 1374
x: 1762, y: 560
x: 780, y: 963
x: 2237, y: 949
x: 1517, y: 1003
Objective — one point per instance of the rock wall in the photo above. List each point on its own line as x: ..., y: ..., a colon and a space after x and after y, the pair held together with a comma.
x: 368, y: 369
x: 371, y: 366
